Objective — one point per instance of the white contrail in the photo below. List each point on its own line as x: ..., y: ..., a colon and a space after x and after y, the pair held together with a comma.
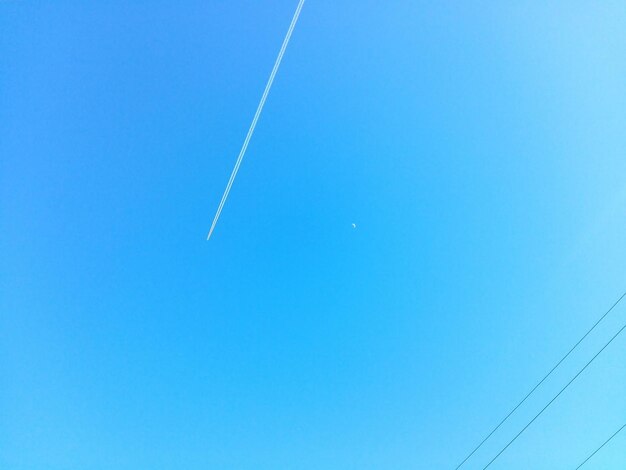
x: 256, y: 116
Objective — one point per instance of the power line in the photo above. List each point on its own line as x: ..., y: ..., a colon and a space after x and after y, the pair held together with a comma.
x: 555, y: 397
x: 259, y: 109
x: 540, y: 382
x: 603, y: 444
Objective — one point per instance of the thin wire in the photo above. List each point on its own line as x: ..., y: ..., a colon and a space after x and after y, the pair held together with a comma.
x: 540, y: 382
x: 600, y: 448
x: 259, y: 109
x: 555, y: 397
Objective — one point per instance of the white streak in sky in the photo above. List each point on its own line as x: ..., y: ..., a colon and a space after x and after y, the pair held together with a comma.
x: 256, y: 116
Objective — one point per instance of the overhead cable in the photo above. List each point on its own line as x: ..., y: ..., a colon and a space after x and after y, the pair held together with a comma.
x: 555, y: 397
x: 541, y: 381
x: 600, y: 448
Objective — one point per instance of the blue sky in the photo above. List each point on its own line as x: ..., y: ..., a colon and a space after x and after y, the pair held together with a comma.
x: 478, y: 146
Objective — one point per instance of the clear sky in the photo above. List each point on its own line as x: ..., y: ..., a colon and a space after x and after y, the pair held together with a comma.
x: 479, y: 147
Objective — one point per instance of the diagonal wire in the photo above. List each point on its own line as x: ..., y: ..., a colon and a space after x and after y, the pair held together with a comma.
x: 603, y: 444
x: 555, y: 397
x: 268, y: 86
x: 540, y: 382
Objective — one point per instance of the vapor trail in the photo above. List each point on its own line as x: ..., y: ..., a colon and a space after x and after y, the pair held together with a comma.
x: 259, y: 110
